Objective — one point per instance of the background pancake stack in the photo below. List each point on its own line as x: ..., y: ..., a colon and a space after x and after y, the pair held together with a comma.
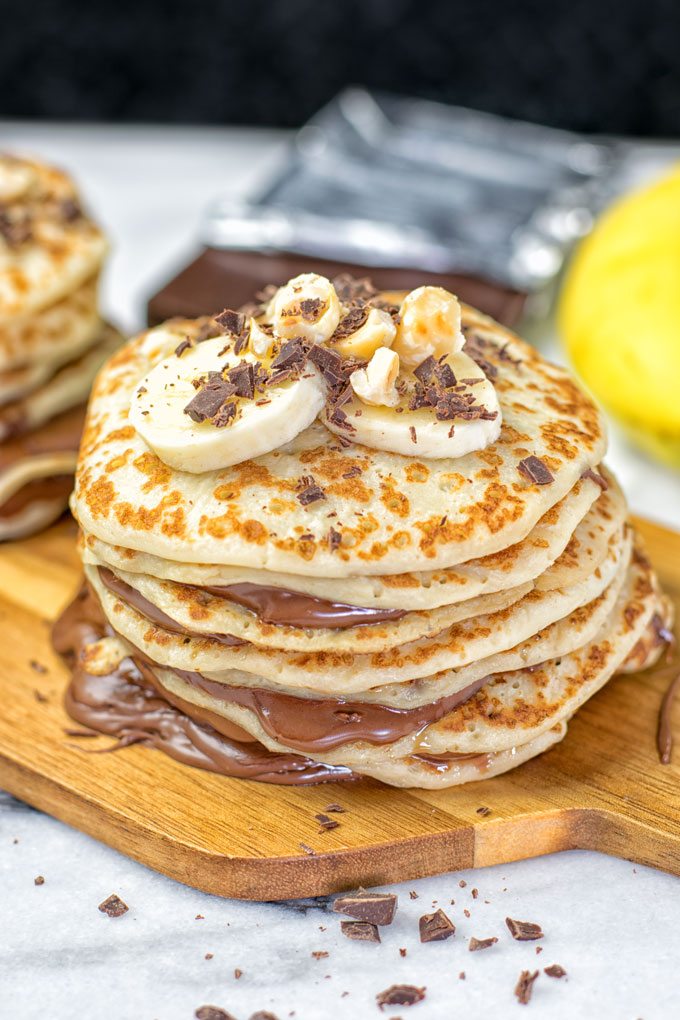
x: 329, y: 609
x: 52, y: 339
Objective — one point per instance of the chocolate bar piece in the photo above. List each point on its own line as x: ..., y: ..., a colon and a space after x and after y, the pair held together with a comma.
x: 219, y: 279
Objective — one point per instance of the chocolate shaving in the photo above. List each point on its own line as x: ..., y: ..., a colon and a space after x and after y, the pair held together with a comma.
x: 360, y: 931
x: 334, y: 539
x: 400, y: 995
x: 483, y: 811
x: 436, y: 927
x: 352, y: 322
x: 597, y: 478
x: 376, y: 908
x: 182, y: 347
x: 225, y: 415
x: 328, y: 362
x: 337, y: 809
x: 474, y: 945
x: 231, y: 322
x: 309, y: 491
x: 525, y: 986
x: 536, y: 470
x: 113, y: 906
x: 293, y: 354
x: 351, y: 290
x: 212, y: 1013
x: 242, y: 378
x: 310, y: 309
x: 524, y: 931
x: 664, y: 734
x: 353, y: 472
x: 555, y: 971
x: 325, y: 822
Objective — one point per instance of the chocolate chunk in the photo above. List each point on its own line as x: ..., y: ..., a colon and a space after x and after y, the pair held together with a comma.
x: 293, y: 354
x: 328, y: 362
x: 225, y: 415
x: 360, y: 931
x: 400, y: 995
x: 38, y: 880
x: 209, y: 400
x: 185, y: 345
x: 351, y: 290
x: 536, y: 470
x: 436, y: 927
x: 325, y: 822
x: 377, y: 908
x: 113, y: 906
x: 335, y: 809
x: 597, y: 478
x: 474, y: 945
x: 231, y: 321
x: 524, y: 931
x: 308, y: 491
x: 483, y: 811
x: 425, y: 370
x: 445, y: 375
x: 242, y: 378
x: 353, y: 472
x: 555, y: 971
x: 310, y: 309
x: 525, y: 986
x: 212, y: 1013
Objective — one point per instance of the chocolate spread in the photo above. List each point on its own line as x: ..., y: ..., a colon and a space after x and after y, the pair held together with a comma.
x: 283, y: 607
x: 60, y: 435
x: 124, y: 705
x: 58, y: 486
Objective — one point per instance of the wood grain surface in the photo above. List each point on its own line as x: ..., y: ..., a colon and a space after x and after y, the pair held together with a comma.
x: 602, y: 788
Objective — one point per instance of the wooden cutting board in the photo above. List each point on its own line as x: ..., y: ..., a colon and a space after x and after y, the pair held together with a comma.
x: 602, y: 788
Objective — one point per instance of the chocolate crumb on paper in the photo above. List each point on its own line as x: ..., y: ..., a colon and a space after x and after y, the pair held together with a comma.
x: 400, y: 995
x: 402, y: 952
x: 525, y: 986
x: 263, y: 1014
x: 377, y: 908
x: 413, y: 895
x: 113, y: 906
x: 38, y: 880
x: 436, y: 927
x: 360, y: 931
x: 555, y: 971
x: 536, y: 470
x: 475, y: 945
x: 524, y: 931
x: 320, y: 954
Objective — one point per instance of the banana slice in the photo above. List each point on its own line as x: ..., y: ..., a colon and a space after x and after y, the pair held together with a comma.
x: 205, y: 427
x: 429, y: 326
x: 416, y: 429
x: 306, y: 306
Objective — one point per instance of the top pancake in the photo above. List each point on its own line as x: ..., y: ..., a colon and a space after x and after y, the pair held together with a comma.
x: 48, y: 247
x: 395, y: 513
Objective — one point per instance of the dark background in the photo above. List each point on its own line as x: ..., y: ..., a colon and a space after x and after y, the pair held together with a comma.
x: 590, y: 65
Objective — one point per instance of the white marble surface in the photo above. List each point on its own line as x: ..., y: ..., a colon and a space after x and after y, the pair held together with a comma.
x: 612, y: 925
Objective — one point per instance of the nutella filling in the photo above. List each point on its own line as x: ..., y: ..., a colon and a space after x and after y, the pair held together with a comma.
x: 59, y: 435
x: 38, y: 490
x: 123, y: 705
x: 286, y: 608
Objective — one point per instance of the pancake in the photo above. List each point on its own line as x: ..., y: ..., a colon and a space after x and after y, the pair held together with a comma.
x: 397, y: 513
x: 421, y: 583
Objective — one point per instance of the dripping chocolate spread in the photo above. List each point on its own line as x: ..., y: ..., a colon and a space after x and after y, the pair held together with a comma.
x: 126, y: 705
x: 276, y: 606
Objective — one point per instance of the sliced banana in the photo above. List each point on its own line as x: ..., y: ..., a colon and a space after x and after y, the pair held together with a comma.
x: 375, y: 384
x: 377, y: 331
x: 421, y: 433
x: 430, y: 326
x: 271, y: 419
x: 306, y: 306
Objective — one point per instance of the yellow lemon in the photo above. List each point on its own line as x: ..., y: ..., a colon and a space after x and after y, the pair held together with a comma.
x: 619, y: 314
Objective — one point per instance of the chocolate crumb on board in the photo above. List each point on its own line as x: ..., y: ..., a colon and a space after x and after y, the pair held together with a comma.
x: 40, y: 697
x: 113, y: 906
x: 436, y: 927
x: 400, y: 995
x: 212, y: 1013
x: 475, y: 945
x: 525, y: 986
x: 524, y: 931
x: 325, y: 822
x: 37, y: 667
x: 536, y: 470
x: 320, y: 954
x: 377, y: 908
x: 337, y: 809
x: 555, y: 971
x: 360, y: 931
x: 483, y: 811
x: 307, y: 849
x: 38, y: 880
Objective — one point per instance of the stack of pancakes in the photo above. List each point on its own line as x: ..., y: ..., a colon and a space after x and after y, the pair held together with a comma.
x: 52, y: 339
x: 426, y: 622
